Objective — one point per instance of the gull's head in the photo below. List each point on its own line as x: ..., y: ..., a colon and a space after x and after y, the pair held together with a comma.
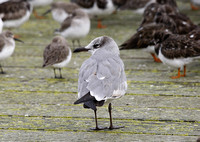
x: 103, y: 43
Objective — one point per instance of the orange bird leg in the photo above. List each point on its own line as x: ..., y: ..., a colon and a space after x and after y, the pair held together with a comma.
x: 184, y: 74
x: 100, y: 26
x: 36, y: 15
x: 194, y: 7
x: 155, y: 58
x: 179, y: 74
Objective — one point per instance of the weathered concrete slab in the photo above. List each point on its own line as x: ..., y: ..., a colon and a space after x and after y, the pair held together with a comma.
x: 36, y: 107
x: 65, y: 110
x: 74, y: 123
x: 28, y: 135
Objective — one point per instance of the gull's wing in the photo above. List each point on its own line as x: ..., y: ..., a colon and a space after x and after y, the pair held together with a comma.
x: 103, y: 79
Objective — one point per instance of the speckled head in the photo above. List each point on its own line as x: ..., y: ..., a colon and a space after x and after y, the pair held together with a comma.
x: 170, y: 2
x: 161, y: 36
x: 8, y: 34
x: 58, y: 39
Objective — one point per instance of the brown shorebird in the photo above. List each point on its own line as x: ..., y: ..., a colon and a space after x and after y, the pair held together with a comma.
x: 177, y: 50
x: 57, y: 54
x: 15, y: 12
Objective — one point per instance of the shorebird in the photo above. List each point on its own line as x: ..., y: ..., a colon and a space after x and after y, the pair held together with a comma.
x: 2, y: 1
x: 194, y: 34
x: 99, y: 8
x: 7, y: 46
x: 119, y: 3
x: 75, y: 26
x: 15, y: 12
x: 144, y: 39
x: 137, y: 5
x: 151, y: 11
x: 195, y: 4
x: 1, y: 23
x: 172, y: 3
x: 61, y: 10
x: 39, y: 3
x: 101, y: 77
x: 183, y: 23
x: 57, y: 54
x: 176, y: 50
x: 167, y: 15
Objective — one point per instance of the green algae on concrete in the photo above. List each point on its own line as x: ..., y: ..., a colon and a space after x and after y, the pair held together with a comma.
x: 36, y: 107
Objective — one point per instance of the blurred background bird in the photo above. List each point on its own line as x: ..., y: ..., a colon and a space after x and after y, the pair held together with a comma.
x: 1, y: 22
x: 75, y: 26
x: 97, y: 8
x: 7, y: 46
x: 137, y: 5
x: 195, y: 4
x: 62, y: 10
x: 15, y: 13
x: 39, y: 3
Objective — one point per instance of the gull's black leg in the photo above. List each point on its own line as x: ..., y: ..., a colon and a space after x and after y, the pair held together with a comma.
x: 97, y: 127
x: 111, y: 124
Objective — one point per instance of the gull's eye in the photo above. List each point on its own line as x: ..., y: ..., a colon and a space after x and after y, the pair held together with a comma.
x: 96, y: 45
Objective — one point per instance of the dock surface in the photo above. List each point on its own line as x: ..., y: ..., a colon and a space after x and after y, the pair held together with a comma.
x: 36, y: 107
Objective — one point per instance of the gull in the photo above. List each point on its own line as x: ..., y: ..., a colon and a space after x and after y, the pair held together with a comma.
x: 101, y: 77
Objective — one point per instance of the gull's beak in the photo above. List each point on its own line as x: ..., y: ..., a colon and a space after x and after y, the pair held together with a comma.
x: 16, y: 39
x: 81, y: 49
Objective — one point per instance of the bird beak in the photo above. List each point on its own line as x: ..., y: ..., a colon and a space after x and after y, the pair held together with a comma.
x: 122, y: 48
x: 16, y: 39
x: 81, y: 49
x: 47, y: 12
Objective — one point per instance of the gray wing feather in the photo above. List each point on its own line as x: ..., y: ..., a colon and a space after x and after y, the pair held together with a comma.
x: 102, y: 78
x: 87, y: 69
